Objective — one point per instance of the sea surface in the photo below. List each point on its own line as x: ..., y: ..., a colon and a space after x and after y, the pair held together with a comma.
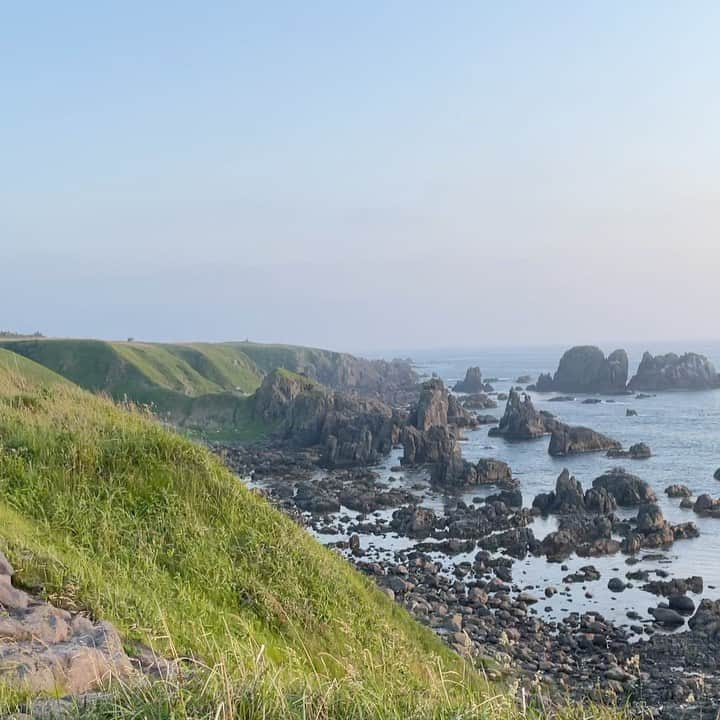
x: 681, y: 428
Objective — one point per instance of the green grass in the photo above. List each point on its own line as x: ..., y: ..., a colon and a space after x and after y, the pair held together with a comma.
x: 200, y: 387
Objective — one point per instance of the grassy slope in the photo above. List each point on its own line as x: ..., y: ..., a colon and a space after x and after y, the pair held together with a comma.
x: 199, y: 386
x: 109, y: 511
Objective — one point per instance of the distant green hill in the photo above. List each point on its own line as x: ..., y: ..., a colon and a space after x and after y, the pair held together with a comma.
x: 200, y: 386
x: 108, y: 511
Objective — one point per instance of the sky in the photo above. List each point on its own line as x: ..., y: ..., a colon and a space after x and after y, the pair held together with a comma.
x: 361, y: 175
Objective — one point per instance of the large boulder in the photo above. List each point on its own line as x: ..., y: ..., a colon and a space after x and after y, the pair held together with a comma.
x: 674, y: 372
x: 522, y: 421
x: 627, y: 489
x: 567, y: 440
x: 473, y: 382
x: 585, y: 369
x: 706, y: 621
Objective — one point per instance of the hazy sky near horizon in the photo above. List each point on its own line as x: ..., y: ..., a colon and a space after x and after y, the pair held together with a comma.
x: 361, y: 175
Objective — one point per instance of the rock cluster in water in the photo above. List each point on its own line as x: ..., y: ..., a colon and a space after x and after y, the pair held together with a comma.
x: 690, y: 371
x: 585, y: 369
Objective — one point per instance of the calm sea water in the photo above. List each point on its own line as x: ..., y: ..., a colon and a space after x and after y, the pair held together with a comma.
x: 682, y: 429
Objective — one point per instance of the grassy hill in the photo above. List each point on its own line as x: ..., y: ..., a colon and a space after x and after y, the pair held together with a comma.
x: 106, y: 510
x: 203, y: 387
x: 199, y: 386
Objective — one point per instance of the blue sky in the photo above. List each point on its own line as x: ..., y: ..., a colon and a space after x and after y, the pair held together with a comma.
x: 361, y: 175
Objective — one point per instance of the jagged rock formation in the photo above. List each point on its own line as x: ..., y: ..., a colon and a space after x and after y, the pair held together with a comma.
x: 522, y: 421
x: 568, y: 497
x: 584, y: 369
x: 431, y: 437
x: 432, y: 406
x: 567, y: 440
x: 353, y: 430
x: 473, y: 382
x: 627, y: 489
x: 674, y: 372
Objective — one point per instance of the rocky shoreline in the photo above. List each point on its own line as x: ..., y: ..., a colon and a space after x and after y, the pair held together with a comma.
x: 455, y: 573
x: 458, y: 565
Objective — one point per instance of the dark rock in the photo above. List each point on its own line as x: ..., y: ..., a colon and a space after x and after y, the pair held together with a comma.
x: 561, y: 398
x: 639, y: 451
x: 415, y: 521
x: 521, y: 420
x: 682, y: 604
x: 479, y: 401
x: 353, y: 430
x: 667, y: 617
x: 627, y: 489
x: 473, y: 382
x: 630, y: 413
x: 616, y: 585
x: 566, y: 440
x: 706, y: 620
x: 675, y: 491
x: 672, y: 372
x: 676, y: 586
x: 716, y: 474
x: 584, y: 369
x: 707, y: 505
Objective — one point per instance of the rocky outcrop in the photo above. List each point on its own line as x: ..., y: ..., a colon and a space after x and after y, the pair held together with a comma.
x: 678, y: 491
x: 706, y: 620
x: 674, y: 372
x: 627, y: 489
x: 639, y: 451
x: 45, y: 649
x: 457, y: 415
x: 352, y: 429
x: 432, y: 406
x: 473, y: 382
x: 391, y: 381
x: 707, y: 506
x: 567, y: 440
x: 585, y: 369
x: 479, y: 401
x: 521, y: 421
x: 435, y: 445
x: 568, y: 497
